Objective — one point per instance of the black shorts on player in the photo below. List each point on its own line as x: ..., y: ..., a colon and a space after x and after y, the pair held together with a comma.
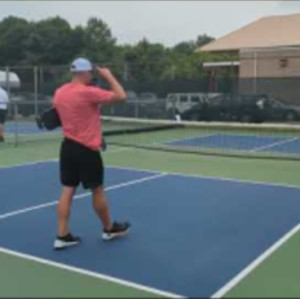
x: 3, y: 114
x: 79, y: 164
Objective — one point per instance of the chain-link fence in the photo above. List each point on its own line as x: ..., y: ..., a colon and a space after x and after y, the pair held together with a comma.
x: 221, y: 92
x: 221, y: 97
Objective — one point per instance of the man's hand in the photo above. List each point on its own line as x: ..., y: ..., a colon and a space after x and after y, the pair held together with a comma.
x: 115, y: 86
x: 104, y: 73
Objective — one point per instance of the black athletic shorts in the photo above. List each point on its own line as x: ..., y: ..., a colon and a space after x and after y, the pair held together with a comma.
x: 79, y: 164
x: 3, y: 116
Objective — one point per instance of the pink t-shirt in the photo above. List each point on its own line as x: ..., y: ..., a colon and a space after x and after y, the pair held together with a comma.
x: 78, y: 109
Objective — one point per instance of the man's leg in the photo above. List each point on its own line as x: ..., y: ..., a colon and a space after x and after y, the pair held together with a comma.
x: 92, y: 177
x: 2, y: 121
x: 64, y: 238
x: 101, y: 207
x: 111, y: 229
x: 70, y: 180
x: 64, y: 210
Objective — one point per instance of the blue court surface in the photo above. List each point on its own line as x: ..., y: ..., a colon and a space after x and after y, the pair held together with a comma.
x: 287, y: 145
x: 225, y: 142
x: 190, y: 235
x: 23, y: 127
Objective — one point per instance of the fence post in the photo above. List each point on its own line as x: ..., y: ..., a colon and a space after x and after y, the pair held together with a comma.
x: 41, y: 80
x: 7, y: 86
x: 125, y: 72
x: 255, y: 73
x: 35, y: 78
x: 15, y: 117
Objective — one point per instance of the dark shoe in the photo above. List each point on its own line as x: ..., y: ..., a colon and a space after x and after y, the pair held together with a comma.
x: 118, y: 230
x: 66, y: 241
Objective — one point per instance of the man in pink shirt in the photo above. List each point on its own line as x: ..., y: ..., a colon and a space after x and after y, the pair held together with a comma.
x: 77, y: 104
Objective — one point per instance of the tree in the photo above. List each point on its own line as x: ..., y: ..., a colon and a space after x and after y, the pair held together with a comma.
x: 203, y: 40
x: 145, y: 60
x: 13, y: 35
x: 186, y: 48
x: 99, y: 42
x: 54, y: 42
x: 77, y: 41
x: 49, y: 42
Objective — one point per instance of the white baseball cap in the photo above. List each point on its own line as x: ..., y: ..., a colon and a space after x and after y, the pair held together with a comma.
x: 81, y: 65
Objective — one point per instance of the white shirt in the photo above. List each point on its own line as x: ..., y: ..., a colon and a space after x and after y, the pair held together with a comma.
x: 3, y: 99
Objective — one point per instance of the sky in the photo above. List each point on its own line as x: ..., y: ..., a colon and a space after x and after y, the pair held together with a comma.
x: 166, y: 22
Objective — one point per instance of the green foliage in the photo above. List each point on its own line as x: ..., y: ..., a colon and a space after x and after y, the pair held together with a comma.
x: 48, y: 42
x: 203, y: 40
x: 98, y: 41
x: 13, y: 36
x: 53, y: 41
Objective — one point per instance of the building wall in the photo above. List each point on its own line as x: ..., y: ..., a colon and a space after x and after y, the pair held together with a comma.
x: 275, y: 72
x: 270, y: 63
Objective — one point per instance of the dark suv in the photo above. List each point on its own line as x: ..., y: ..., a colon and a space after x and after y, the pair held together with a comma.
x: 243, y: 108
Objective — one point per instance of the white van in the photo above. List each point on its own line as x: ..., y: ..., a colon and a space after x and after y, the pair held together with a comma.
x: 183, y: 101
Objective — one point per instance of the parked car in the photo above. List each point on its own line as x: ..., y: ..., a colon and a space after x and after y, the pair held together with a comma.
x: 277, y: 110
x: 132, y: 95
x: 243, y: 108
x: 218, y: 108
x: 148, y: 96
x: 181, y: 102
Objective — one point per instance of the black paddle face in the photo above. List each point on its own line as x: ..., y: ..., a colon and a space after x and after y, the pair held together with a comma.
x: 49, y: 120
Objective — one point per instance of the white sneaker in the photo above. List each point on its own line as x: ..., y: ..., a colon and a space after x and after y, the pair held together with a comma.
x: 118, y: 230
x: 66, y: 241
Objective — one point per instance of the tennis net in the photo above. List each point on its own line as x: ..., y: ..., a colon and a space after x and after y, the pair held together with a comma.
x: 212, y: 138
x: 227, y: 139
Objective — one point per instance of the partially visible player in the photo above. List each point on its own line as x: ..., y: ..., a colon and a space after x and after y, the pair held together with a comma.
x: 3, y: 111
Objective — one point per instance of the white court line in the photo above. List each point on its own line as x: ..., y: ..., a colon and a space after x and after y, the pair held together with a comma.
x: 187, y: 139
x: 240, y: 181
x: 122, y: 149
x: 273, y: 144
x: 29, y: 164
x: 238, y: 278
x: 56, y: 160
x: 90, y: 274
x: 214, y: 178
x: 52, y: 203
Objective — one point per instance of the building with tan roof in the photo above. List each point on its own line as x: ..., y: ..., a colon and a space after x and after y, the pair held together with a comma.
x: 267, y: 49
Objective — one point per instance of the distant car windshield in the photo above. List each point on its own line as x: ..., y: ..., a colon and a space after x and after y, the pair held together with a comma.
x: 183, y: 99
x: 276, y: 103
x: 171, y: 98
x: 216, y: 100
x: 195, y: 99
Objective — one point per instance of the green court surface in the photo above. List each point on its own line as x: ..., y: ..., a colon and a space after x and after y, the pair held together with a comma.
x: 277, y: 276
x: 21, y: 277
